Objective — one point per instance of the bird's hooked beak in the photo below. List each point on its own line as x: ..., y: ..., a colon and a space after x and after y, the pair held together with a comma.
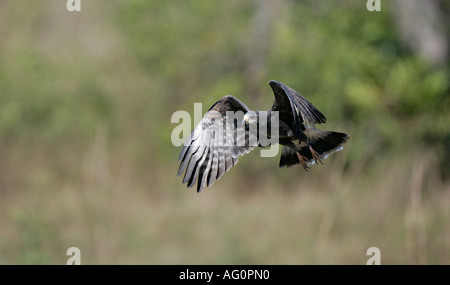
x: 249, y: 118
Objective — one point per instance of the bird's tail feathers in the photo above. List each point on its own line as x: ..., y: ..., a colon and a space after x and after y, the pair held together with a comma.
x: 323, y: 142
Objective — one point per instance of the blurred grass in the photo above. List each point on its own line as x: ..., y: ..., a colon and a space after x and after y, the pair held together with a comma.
x: 86, y: 157
x: 323, y: 217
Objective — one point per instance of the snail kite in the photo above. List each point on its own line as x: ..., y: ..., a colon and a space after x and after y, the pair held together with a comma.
x: 225, y: 133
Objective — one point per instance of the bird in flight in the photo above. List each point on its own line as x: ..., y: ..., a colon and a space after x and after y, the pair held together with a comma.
x: 230, y: 129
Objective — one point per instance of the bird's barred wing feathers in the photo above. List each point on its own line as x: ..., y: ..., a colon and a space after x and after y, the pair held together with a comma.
x: 215, y: 144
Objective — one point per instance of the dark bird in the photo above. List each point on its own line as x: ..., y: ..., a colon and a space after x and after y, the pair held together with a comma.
x: 230, y: 129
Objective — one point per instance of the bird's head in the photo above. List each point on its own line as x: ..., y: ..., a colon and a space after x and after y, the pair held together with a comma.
x: 250, y: 118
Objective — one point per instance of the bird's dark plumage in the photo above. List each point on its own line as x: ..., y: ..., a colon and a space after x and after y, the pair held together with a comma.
x: 212, y: 149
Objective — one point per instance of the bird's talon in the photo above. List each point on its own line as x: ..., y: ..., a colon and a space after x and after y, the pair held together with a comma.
x: 303, y: 160
x: 316, y: 155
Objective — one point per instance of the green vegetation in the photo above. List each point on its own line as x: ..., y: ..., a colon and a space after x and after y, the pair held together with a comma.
x: 86, y: 158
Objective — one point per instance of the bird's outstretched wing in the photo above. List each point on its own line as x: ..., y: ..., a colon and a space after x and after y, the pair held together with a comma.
x: 215, y: 144
x: 293, y: 108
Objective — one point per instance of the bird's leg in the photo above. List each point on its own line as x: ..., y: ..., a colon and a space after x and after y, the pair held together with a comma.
x: 316, y: 155
x: 303, y: 160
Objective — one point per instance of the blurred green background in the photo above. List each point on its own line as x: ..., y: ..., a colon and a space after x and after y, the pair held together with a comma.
x: 86, y: 158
